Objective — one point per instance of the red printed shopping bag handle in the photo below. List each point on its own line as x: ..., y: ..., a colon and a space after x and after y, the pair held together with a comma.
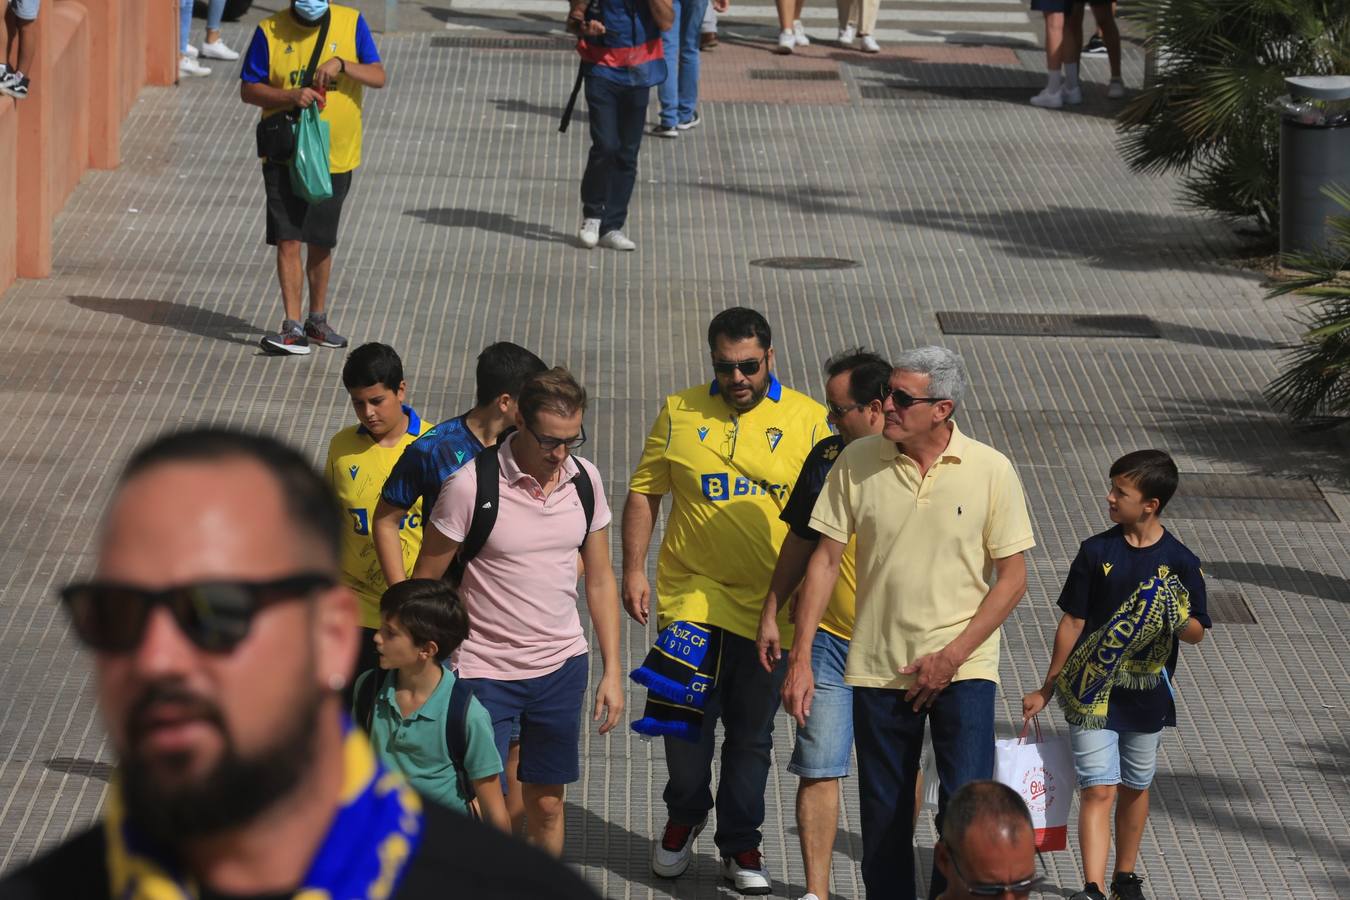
x: 1027, y: 724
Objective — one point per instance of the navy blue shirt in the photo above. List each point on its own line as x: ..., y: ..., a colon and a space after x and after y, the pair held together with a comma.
x: 797, y: 511
x: 1104, y: 575
x: 427, y: 462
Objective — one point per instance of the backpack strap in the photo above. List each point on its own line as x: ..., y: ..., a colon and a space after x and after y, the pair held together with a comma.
x: 457, y: 733
x: 308, y: 78
x: 368, y: 690
x: 487, y: 493
x: 586, y: 494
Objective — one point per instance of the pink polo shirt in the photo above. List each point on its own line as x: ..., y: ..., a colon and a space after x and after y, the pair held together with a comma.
x: 521, y: 589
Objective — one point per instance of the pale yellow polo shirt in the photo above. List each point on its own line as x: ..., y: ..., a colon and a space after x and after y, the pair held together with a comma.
x: 925, y: 549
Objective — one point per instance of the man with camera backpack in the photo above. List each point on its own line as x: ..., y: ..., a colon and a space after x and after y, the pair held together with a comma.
x: 622, y: 58
x: 311, y: 52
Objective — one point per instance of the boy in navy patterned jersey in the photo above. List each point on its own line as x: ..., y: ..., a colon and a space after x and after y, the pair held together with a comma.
x: 1131, y: 594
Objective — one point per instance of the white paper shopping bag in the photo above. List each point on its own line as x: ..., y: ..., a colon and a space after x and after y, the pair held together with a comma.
x: 1042, y: 772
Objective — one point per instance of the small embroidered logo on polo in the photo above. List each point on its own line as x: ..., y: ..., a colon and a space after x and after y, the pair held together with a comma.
x: 958, y: 510
x: 1107, y: 567
x: 487, y: 505
x: 352, y: 470
x: 332, y: 46
x: 459, y: 456
x: 774, y: 435
x: 830, y: 453
x: 702, y: 432
x: 290, y: 49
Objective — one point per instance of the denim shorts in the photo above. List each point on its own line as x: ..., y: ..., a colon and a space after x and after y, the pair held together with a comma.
x: 822, y: 746
x: 1102, y: 756
x: 548, y: 710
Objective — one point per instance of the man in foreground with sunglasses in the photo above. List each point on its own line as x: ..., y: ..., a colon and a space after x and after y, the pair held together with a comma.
x: 526, y: 656
x: 988, y: 845
x: 219, y: 656
x: 729, y: 453
x: 936, y: 515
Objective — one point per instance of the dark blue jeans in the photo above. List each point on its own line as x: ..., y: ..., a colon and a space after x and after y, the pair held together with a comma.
x: 889, y: 738
x: 618, y: 114
x: 745, y: 698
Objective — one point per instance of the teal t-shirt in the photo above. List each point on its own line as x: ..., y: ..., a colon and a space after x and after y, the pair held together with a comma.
x: 416, y: 745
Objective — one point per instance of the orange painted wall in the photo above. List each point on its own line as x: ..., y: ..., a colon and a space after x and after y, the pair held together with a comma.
x: 93, y: 57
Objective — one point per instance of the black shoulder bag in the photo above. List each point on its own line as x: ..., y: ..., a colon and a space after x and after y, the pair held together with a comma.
x: 276, y: 133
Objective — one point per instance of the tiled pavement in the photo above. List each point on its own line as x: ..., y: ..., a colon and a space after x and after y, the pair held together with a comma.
x: 923, y: 166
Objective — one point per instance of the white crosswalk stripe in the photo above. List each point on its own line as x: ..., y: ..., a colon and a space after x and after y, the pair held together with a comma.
x: 909, y: 21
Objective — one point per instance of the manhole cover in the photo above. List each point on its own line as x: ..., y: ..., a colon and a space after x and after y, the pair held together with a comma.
x: 804, y: 262
x: 1250, y: 498
x: 1229, y: 608
x: 496, y: 43
x: 1046, y: 325
x: 794, y: 75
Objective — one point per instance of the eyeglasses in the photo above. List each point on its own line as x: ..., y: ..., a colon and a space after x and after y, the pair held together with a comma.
x: 1021, y: 888
x: 747, y: 367
x: 215, y: 615
x: 838, y: 412
x: 903, y: 400
x: 549, y: 444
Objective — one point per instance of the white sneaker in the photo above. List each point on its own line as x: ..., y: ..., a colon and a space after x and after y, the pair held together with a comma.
x: 1048, y: 99
x: 616, y: 240
x: 846, y: 35
x: 809, y: 897
x: 671, y: 855
x: 747, y: 873
x: 869, y: 44
x: 218, y: 50
x: 191, y: 51
x: 1116, y: 89
x: 590, y: 233
x: 799, y: 34
x: 1073, y: 96
x: 188, y: 68
x: 786, y: 41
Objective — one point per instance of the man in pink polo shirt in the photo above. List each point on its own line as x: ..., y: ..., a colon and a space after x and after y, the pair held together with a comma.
x: 526, y: 653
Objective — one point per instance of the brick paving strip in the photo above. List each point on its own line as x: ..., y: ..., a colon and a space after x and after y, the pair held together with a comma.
x: 924, y: 165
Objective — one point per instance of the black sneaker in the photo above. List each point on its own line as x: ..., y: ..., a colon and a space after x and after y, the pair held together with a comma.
x: 1127, y: 886
x: 1096, y: 46
x: 14, y: 86
x: 665, y: 131
x: 320, y: 332
x: 289, y: 340
x: 1090, y: 891
x: 692, y: 123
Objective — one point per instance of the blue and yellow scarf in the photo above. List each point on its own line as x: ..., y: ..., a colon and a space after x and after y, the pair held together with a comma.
x: 1130, y: 650
x: 373, y: 836
x: 678, y: 673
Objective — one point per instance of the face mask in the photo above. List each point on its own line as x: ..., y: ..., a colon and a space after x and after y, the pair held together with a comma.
x: 310, y: 10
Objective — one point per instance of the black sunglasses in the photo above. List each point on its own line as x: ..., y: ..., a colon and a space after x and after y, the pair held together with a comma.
x: 215, y: 615
x: 1021, y: 888
x: 748, y: 367
x: 903, y: 400
x: 549, y: 444
x: 838, y: 412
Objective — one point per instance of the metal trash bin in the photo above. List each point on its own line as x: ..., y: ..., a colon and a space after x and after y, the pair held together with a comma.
x: 1314, y: 154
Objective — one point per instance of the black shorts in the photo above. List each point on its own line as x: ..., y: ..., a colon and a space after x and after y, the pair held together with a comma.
x: 290, y: 218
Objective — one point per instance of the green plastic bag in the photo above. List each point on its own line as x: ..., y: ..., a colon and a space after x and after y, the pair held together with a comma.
x: 309, y: 167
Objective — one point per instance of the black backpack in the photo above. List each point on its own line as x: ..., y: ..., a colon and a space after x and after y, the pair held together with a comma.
x: 456, y: 723
x: 485, y: 503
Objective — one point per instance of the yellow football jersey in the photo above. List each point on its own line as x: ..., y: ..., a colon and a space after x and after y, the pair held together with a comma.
x: 357, y: 468
x: 730, y: 475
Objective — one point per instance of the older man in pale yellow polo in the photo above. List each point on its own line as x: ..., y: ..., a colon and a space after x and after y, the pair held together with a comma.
x: 936, y: 515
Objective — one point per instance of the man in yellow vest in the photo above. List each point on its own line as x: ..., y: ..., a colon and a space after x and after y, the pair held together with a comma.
x: 274, y: 78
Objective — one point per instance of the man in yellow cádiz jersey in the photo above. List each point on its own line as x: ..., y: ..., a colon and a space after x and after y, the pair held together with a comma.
x: 274, y: 77
x: 729, y: 452
x: 359, y: 460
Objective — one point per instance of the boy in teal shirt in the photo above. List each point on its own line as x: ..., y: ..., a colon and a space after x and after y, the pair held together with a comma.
x: 421, y: 623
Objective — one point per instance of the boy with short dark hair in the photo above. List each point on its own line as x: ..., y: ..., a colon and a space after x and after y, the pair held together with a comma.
x: 360, y: 458
x: 422, y: 622
x: 1131, y: 593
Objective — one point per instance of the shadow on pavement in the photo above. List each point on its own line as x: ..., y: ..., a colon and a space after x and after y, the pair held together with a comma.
x: 86, y: 768
x: 178, y: 316
x: 497, y: 223
x: 1284, y: 578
